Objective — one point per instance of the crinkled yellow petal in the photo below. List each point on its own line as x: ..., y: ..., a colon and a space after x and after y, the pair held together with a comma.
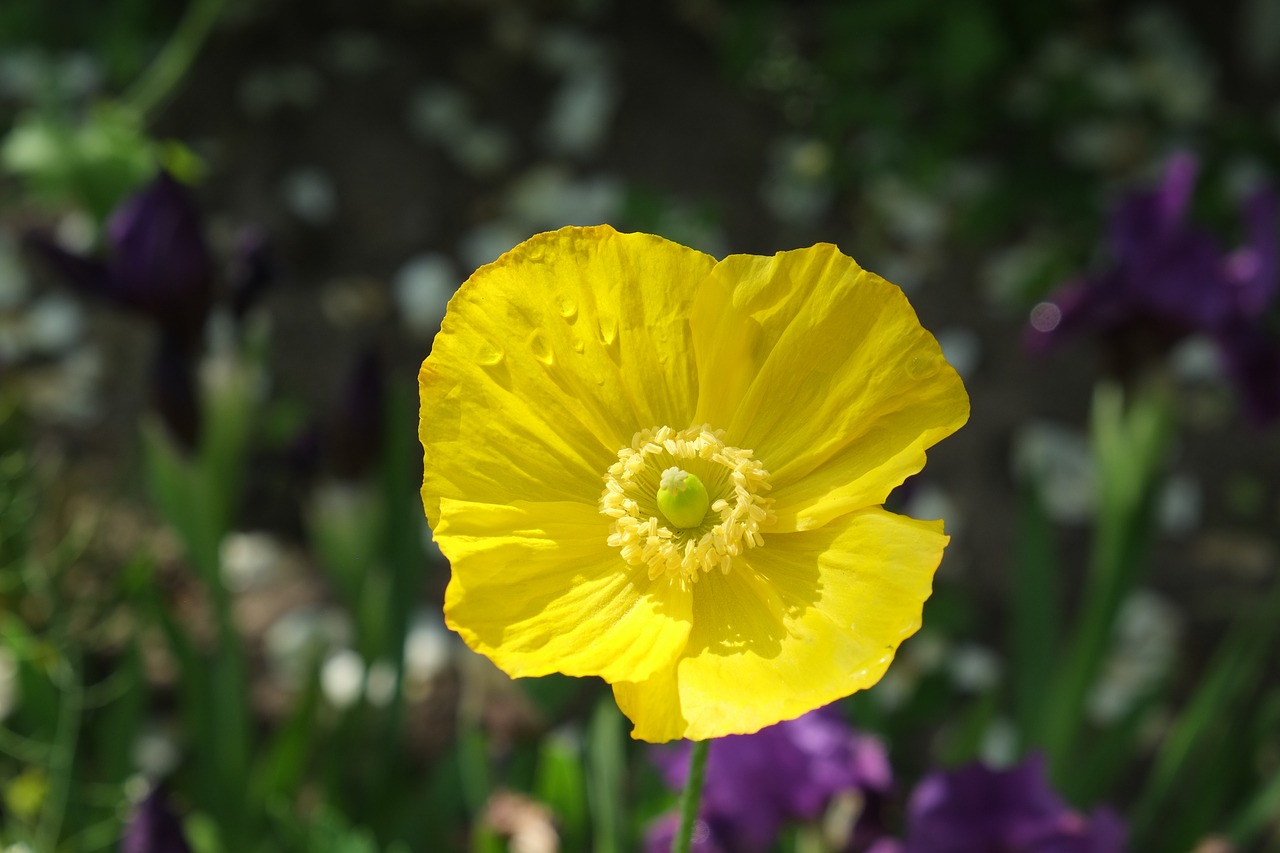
x: 823, y: 370
x: 809, y: 618
x: 550, y: 359
x: 536, y: 589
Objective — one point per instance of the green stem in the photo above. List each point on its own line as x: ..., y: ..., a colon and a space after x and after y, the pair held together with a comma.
x: 164, y: 73
x: 692, y: 796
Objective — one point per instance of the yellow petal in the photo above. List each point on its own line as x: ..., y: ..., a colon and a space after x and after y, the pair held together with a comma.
x: 816, y: 616
x: 536, y: 589
x: 550, y: 359
x: 821, y: 369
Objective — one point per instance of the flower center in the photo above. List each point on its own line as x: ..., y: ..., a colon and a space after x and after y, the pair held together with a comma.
x: 683, y: 502
x: 682, y: 498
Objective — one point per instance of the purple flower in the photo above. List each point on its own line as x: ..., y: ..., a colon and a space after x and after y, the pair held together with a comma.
x: 157, y: 261
x: 1167, y: 279
x: 154, y: 828
x: 755, y: 784
x: 979, y: 810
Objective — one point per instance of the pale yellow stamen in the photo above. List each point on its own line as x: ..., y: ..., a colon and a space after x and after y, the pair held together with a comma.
x: 660, y: 475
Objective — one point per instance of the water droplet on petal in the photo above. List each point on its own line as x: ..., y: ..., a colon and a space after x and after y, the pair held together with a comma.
x: 489, y: 354
x: 541, y: 348
x: 568, y: 308
x: 608, y: 330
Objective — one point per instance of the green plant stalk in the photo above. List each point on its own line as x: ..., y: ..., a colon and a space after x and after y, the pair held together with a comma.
x: 1130, y: 444
x: 606, y: 767
x: 1234, y: 668
x: 692, y: 796
x: 62, y: 757
x: 168, y: 69
x: 1256, y: 816
x: 1036, y: 618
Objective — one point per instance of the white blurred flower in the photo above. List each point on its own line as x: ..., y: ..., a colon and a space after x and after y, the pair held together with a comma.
x: 422, y: 288
x: 428, y: 646
x: 54, y: 324
x: 999, y: 746
x: 342, y: 678
x: 549, y: 197
x: 929, y: 502
x: 1179, y: 505
x: 309, y: 194
x: 1057, y: 458
x: 380, y: 683
x: 294, y: 642
x: 486, y: 242
x: 249, y: 559
x: 974, y: 668
x: 155, y: 752
x: 911, y: 214
x: 581, y: 112
x: 962, y: 348
x: 1147, y: 632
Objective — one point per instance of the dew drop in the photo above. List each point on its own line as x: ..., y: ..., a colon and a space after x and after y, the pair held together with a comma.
x: 920, y: 366
x: 568, y: 309
x: 541, y: 348
x: 489, y: 354
x: 608, y: 330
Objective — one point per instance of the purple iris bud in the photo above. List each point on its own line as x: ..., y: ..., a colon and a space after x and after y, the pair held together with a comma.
x: 156, y: 260
x: 756, y: 784
x: 154, y: 828
x: 1167, y: 278
x: 979, y: 810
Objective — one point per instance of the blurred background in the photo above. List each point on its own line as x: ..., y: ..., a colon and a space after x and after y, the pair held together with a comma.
x: 213, y: 566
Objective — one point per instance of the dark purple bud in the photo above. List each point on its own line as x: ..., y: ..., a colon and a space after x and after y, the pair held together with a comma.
x: 154, y: 828
x: 156, y: 260
x: 159, y: 261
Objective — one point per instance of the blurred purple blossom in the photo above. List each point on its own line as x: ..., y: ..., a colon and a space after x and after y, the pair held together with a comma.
x: 980, y: 810
x: 756, y: 784
x: 1168, y: 278
x: 156, y: 260
x: 154, y: 828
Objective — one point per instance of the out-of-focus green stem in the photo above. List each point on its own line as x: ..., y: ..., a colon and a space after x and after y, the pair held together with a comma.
x: 692, y: 796
x: 168, y: 69
x: 1130, y: 439
x: 62, y: 755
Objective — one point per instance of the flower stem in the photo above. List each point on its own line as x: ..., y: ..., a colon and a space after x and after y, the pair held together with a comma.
x: 692, y: 796
x: 168, y: 69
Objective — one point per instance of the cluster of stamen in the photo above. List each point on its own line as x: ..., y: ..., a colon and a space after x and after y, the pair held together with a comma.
x: 735, y: 482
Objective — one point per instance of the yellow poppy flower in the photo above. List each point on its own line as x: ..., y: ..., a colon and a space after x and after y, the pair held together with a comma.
x: 667, y: 471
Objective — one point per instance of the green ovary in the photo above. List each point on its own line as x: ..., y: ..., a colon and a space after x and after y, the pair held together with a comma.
x: 682, y: 498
